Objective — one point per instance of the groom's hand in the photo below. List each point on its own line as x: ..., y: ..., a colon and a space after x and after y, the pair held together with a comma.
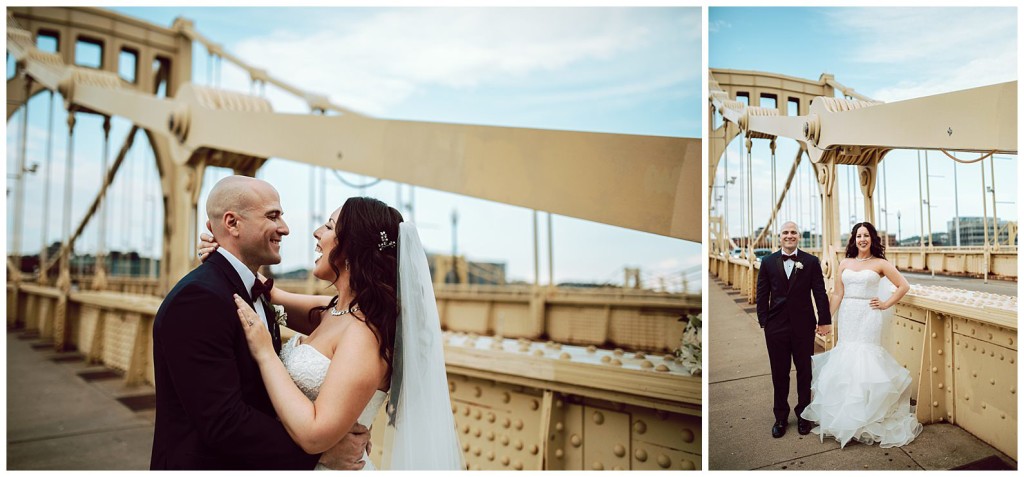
x: 824, y: 330
x: 348, y: 454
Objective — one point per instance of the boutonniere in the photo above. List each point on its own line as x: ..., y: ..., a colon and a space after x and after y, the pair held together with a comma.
x: 280, y: 316
x: 798, y: 265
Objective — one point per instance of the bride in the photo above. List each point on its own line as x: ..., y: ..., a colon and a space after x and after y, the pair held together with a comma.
x: 379, y: 336
x: 859, y: 390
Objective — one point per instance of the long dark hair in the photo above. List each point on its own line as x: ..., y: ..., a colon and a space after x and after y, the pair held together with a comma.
x: 877, y: 249
x: 373, y: 271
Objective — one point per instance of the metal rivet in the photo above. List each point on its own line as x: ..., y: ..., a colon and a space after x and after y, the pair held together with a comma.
x: 477, y: 451
x: 506, y: 423
x: 519, y: 424
x: 465, y: 447
x: 465, y: 411
x: 534, y: 449
x: 688, y: 436
x: 598, y: 466
x: 606, y: 359
x: 504, y: 440
x: 935, y: 403
x: 504, y: 460
x: 598, y: 417
x: 490, y: 455
x: 664, y: 461
x: 687, y: 464
x: 491, y: 417
x: 478, y: 414
x: 506, y: 397
x: 518, y: 466
x: 559, y: 453
x: 477, y: 391
x: 639, y: 427
x: 559, y: 426
x: 641, y: 455
x: 534, y: 405
x: 519, y: 444
x: 490, y: 435
x: 619, y: 450
x: 575, y: 440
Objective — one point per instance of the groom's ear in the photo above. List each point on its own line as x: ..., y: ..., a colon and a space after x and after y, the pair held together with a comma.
x: 230, y: 220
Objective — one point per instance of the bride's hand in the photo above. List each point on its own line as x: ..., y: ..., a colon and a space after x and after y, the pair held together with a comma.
x: 876, y: 304
x: 256, y: 334
x: 206, y: 246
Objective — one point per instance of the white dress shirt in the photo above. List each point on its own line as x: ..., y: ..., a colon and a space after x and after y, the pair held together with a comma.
x: 248, y: 280
x: 789, y: 264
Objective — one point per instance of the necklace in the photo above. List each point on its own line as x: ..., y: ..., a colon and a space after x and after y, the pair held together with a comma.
x: 862, y: 259
x: 334, y: 310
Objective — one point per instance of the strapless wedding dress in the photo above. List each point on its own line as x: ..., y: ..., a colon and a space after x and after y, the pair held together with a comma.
x: 308, y: 368
x: 859, y: 391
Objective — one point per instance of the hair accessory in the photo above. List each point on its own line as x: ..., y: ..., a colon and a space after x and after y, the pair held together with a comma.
x: 384, y: 242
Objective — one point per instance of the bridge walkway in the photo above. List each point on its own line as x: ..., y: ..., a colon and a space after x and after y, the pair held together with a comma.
x: 740, y: 417
x: 63, y: 414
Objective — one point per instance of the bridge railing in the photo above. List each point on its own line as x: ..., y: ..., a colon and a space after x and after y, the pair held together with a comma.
x: 960, y: 348
x: 518, y: 403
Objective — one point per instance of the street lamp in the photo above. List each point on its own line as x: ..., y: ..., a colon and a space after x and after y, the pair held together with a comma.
x: 899, y: 227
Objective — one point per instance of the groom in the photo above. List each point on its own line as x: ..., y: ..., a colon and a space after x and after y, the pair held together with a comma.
x: 212, y: 411
x: 787, y: 281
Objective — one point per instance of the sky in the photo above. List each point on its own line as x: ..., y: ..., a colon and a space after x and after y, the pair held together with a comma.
x: 616, y: 70
x: 887, y: 54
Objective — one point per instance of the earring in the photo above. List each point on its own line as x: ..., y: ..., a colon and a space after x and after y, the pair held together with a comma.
x: 346, y: 264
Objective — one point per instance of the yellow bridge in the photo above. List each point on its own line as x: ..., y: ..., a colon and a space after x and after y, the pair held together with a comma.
x: 530, y: 388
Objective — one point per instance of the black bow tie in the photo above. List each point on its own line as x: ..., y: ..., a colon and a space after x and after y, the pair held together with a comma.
x: 788, y: 257
x: 261, y: 289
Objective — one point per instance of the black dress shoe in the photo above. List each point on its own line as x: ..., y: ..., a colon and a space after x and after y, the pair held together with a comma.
x: 803, y: 426
x: 779, y: 429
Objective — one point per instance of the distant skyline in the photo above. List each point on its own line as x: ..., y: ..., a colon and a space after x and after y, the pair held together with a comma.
x: 618, y: 70
x: 887, y: 54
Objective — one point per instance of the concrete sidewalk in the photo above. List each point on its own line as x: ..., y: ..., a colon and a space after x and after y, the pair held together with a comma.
x: 65, y: 415
x: 740, y: 412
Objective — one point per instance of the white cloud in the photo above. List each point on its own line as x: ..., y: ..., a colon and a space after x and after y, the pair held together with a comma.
x: 370, y: 65
x: 931, y: 50
x: 718, y: 25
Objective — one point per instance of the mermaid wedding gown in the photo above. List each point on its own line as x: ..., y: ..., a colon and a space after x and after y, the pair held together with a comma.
x: 308, y: 368
x: 858, y: 389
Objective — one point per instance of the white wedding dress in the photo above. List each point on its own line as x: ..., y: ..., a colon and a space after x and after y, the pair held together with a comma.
x: 858, y: 389
x: 308, y: 368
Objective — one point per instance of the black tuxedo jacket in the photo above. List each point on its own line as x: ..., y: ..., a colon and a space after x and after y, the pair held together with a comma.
x: 778, y: 295
x: 212, y: 410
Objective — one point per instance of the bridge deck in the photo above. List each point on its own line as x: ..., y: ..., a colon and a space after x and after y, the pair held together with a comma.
x: 63, y: 414
x: 740, y: 418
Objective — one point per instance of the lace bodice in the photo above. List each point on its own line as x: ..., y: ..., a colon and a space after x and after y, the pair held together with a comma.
x: 857, y: 321
x: 860, y: 283
x: 308, y: 368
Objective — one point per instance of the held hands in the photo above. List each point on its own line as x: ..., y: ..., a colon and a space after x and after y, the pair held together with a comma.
x: 256, y: 333
x: 348, y: 454
x: 823, y: 330
x: 876, y: 304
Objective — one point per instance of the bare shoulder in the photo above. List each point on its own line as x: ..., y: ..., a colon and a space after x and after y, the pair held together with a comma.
x: 356, y: 338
